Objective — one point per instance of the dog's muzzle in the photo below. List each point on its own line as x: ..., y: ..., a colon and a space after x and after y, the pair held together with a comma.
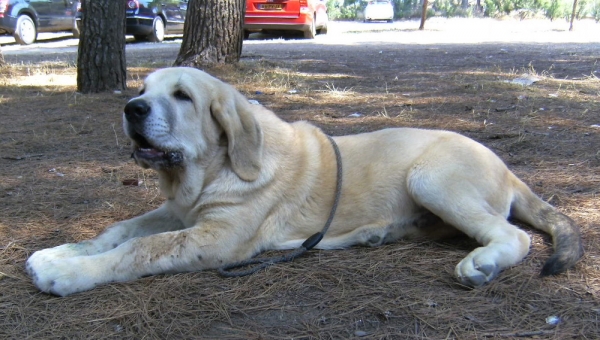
x: 144, y: 152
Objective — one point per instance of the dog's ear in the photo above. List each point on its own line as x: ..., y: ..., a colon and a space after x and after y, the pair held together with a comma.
x: 244, y: 136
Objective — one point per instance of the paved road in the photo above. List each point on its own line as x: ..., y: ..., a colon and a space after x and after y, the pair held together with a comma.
x: 438, y: 31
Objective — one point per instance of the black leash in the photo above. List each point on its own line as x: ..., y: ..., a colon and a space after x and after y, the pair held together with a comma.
x: 306, y: 246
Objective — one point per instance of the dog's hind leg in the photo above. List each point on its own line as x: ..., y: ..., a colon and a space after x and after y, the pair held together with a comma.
x: 464, y: 204
x: 503, y: 244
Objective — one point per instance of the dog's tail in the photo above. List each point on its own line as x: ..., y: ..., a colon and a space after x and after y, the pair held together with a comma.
x: 566, y: 238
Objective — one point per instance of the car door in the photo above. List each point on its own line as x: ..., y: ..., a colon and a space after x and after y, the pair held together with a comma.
x: 61, y: 14
x: 42, y: 9
x: 173, y: 14
x: 183, y: 5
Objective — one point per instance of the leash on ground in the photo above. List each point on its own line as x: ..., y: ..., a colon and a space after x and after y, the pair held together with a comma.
x: 227, y: 271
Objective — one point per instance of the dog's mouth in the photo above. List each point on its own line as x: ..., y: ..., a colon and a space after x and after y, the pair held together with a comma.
x: 148, y: 155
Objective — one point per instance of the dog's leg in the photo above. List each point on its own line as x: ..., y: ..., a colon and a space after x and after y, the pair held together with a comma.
x: 463, y: 206
x: 157, y: 221
x: 191, y: 249
x: 504, y: 244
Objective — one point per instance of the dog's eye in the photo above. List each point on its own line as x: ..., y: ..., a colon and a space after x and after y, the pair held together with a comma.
x: 142, y: 91
x: 181, y: 95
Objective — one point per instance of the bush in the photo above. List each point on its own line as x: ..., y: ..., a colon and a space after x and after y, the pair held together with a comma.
x: 405, y: 9
x: 338, y: 11
x: 594, y: 10
x: 554, y: 9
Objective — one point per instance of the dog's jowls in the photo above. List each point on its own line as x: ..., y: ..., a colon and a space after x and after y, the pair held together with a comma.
x: 238, y: 180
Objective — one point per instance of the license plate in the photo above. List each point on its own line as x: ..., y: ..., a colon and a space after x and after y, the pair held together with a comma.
x: 269, y: 6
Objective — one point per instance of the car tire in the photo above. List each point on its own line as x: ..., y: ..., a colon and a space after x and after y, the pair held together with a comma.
x: 312, y: 31
x: 79, y: 28
x: 323, y: 30
x: 25, y: 31
x: 76, y: 30
x: 158, y: 30
x: 390, y: 20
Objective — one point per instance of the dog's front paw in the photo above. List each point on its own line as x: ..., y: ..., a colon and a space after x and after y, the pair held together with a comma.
x: 477, y: 268
x: 59, y: 252
x: 59, y: 276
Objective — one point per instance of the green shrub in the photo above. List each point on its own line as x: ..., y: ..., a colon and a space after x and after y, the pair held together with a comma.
x: 594, y: 10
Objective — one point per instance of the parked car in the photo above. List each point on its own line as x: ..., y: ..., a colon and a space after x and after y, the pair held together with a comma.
x: 379, y: 10
x: 151, y: 20
x: 24, y: 19
x: 307, y: 16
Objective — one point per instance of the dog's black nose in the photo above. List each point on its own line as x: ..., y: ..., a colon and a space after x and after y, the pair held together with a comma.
x: 136, y: 110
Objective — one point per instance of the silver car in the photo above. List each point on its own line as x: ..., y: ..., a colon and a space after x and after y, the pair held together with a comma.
x: 379, y: 10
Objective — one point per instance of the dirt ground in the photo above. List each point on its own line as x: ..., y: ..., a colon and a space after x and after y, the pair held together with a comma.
x: 64, y: 158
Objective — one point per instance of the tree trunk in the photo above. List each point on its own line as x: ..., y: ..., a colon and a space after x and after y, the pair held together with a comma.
x: 423, y: 15
x: 2, y: 62
x: 213, y: 33
x: 573, y: 14
x: 101, y: 56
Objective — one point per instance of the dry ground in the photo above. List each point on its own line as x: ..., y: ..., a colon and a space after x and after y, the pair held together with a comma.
x: 64, y: 157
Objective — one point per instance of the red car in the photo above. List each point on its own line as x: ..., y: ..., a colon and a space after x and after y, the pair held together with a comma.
x: 308, y: 16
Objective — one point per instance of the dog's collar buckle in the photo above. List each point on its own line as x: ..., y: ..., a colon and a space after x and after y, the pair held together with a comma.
x: 307, y: 245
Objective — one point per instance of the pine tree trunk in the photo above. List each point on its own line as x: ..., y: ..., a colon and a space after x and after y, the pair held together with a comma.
x: 101, y: 56
x: 2, y: 62
x: 424, y: 15
x: 573, y: 14
x: 213, y: 33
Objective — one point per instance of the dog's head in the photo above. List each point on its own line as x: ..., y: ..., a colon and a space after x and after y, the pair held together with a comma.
x: 182, y: 113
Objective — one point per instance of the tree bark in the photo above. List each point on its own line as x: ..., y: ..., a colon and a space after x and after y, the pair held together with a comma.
x: 2, y: 62
x: 479, y: 7
x: 423, y: 15
x: 213, y: 33
x: 101, y: 62
x: 573, y: 14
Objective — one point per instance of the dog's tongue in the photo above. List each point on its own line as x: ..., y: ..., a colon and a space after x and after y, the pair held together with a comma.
x: 150, y: 153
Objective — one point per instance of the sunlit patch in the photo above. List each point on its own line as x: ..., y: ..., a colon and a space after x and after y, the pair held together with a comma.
x: 45, y: 80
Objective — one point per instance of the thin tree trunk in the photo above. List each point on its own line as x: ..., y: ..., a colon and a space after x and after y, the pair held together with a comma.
x: 573, y: 14
x: 213, y: 33
x: 2, y: 62
x: 423, y: 15
x: 101, y: 64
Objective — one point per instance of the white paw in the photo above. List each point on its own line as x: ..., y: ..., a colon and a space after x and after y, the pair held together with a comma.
x: 59, y: 275
x: 477, y: 269
x: 59, y: 252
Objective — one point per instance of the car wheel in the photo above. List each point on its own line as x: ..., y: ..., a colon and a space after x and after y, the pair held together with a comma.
x: 158, y: 30
x: 390, y: 20
x: 76, y: 29
x: 312, y: 31
x: 323, y: 29
x: 246, y: 34
x: 25, y: 32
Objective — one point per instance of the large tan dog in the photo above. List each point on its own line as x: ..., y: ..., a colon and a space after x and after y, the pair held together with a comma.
x: 239, y: 181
